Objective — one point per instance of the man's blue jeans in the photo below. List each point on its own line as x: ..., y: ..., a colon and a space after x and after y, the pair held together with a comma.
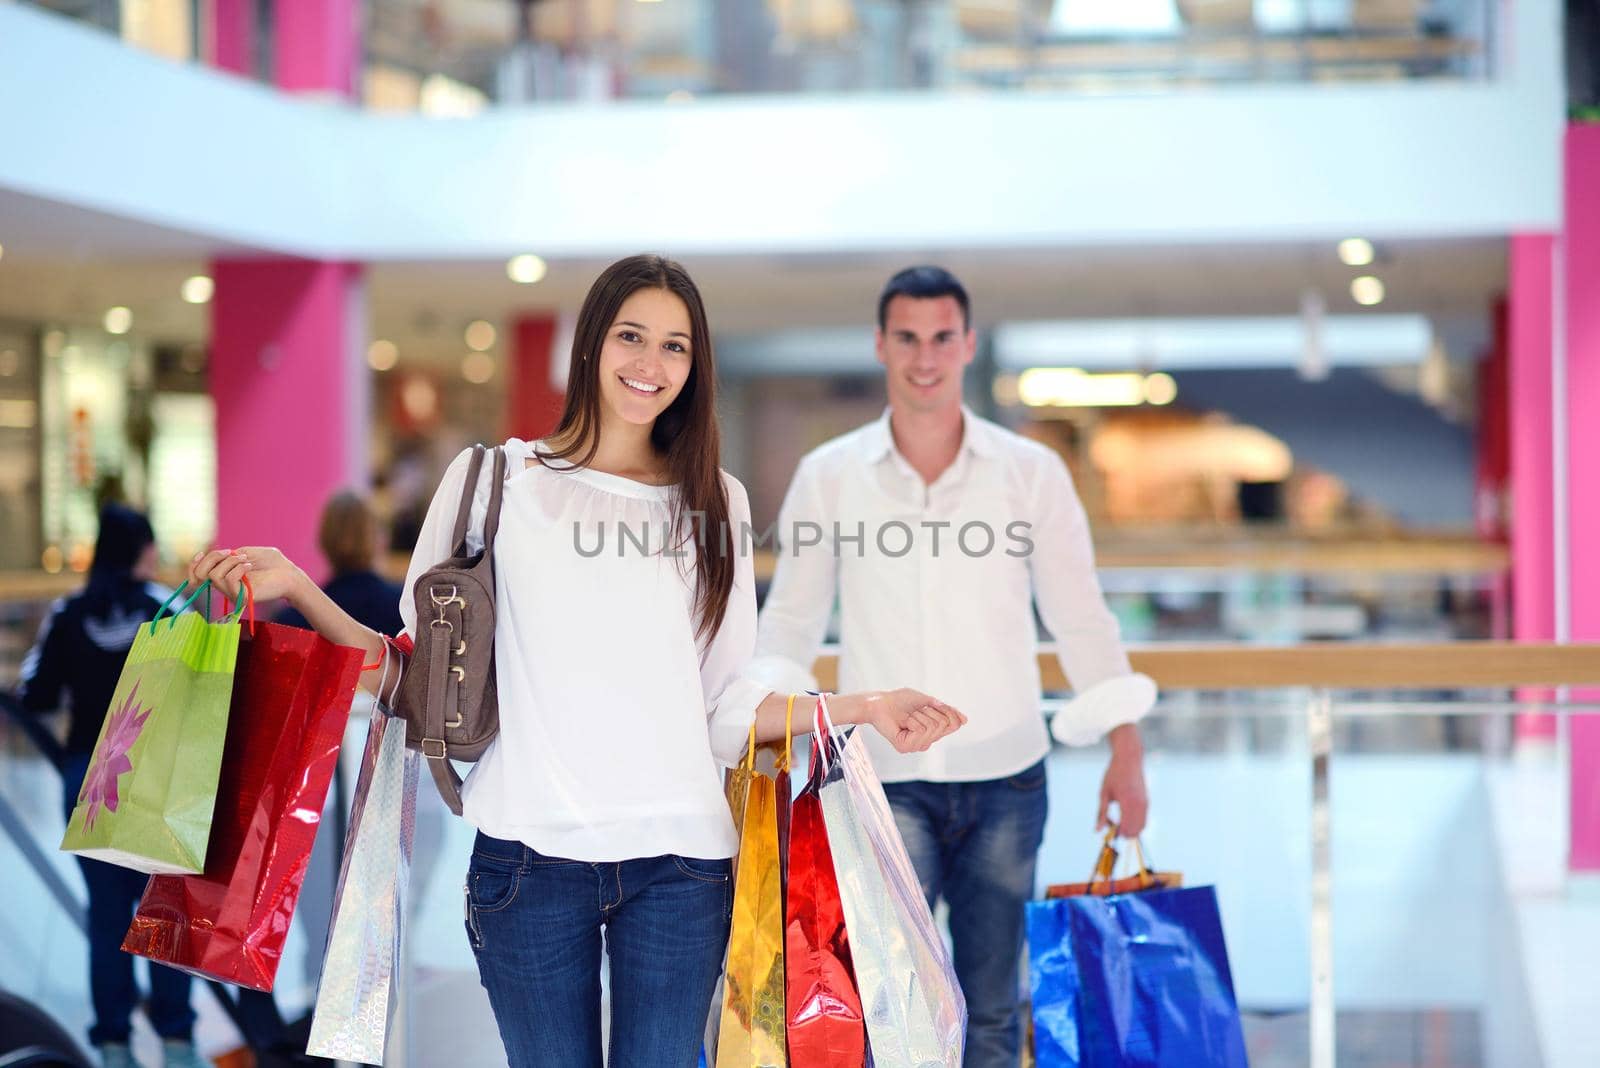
x: 976, y: 844
x: 536, y: 923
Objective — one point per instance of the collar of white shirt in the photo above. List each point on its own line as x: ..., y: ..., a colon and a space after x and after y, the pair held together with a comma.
x: 877, y: 440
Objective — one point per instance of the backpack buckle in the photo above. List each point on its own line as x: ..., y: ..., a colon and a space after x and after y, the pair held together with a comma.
x: 429, y: 753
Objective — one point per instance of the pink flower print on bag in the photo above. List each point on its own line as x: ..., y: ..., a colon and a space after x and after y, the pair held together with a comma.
x: 111, y: 757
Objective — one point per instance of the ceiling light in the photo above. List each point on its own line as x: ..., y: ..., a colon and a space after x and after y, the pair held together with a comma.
x: 1160, y: 388
x: 18, y: 414
x: 198, y: 289
x: 1366, y: 290
x: 526, y: 269
x: 382, y: 355
x: 480, y: 336
x: 2, y: 251
x: 1356, y: 252
x: 1070, y: 387
x: 477, y: 367
x: 119, y: 320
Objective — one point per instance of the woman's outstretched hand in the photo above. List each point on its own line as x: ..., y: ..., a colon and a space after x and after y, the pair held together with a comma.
x: 909, y: 719
x: 272, y: 575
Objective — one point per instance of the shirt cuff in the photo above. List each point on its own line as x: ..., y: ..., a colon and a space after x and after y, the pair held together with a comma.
x: 779, y: 674
x: 1092, y: 714
x: 730, y: 720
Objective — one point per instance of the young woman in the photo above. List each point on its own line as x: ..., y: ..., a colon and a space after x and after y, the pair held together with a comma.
x: 626, y: 609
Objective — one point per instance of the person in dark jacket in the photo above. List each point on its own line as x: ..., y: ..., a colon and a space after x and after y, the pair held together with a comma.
x: 348, y: 537
x: 80, y: 652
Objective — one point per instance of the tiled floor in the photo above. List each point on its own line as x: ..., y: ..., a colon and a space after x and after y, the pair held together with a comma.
x: 1432, y: 1039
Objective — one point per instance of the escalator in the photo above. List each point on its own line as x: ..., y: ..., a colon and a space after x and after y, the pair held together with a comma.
x: 43, y: 920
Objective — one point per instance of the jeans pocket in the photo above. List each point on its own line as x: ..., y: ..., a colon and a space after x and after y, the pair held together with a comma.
x: 491, y: 889
x: 707, y: 871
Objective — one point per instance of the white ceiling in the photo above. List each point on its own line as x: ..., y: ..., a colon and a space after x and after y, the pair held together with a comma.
x: 67, y: 266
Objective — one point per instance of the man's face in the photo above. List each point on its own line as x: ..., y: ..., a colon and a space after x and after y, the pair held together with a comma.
x: 924, y: 346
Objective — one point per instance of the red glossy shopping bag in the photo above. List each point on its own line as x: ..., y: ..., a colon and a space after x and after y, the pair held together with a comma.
x: 825, y: 1025
x: 291, y: 696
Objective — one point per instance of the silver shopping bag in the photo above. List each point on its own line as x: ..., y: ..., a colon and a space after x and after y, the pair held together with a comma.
x: 356, y: 995
x: 915, y: 1014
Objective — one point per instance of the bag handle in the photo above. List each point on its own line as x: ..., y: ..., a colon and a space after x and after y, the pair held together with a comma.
x: 182, y: 608
x: 469, y: 489
x: 749, y: 761
x: 491, y: 518
x: 1105, y: 864
x: 822, y: 732
x: 788, y: 734
x: 233, y: 614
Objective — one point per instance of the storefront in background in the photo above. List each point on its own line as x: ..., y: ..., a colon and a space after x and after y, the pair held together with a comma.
x: 88, y: 417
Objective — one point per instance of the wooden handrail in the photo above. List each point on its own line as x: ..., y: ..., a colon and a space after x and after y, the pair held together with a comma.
x: 1346, y: 555
x: 1345, y: 558
x: 1340, y: 665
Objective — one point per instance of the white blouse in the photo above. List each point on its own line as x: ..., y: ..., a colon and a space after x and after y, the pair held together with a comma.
x: 614, y: 718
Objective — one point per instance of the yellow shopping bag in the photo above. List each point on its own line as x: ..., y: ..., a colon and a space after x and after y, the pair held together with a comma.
x: 752, y: 1030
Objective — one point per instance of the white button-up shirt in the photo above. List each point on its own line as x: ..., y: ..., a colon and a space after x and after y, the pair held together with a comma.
x: 936, y: 586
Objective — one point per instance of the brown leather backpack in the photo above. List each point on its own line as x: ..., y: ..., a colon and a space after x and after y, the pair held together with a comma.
x: 447, y: 695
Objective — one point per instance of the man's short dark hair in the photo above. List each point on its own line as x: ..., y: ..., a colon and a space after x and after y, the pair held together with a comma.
x: 924, y: 283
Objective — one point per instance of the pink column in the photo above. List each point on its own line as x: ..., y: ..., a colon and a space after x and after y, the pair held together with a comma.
x: 1581, y: 247
x: 288, y: 372
x: 228, y: 35
x: 282, y: 369
x: 318, y: 46
x: 1491, y: 495
x: 1531, y: 314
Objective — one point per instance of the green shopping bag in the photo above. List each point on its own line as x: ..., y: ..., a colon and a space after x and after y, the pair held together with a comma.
x: 146, y: 801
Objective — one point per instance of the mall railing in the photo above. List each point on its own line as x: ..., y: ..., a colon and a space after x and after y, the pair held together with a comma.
x: 1344, y: 680
x: 452, y: 58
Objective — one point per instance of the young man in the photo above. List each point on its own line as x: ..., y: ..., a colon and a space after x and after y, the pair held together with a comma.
x: 938, y: 531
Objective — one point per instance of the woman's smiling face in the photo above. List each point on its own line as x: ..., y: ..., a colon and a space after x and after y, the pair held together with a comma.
x: 646, y: 358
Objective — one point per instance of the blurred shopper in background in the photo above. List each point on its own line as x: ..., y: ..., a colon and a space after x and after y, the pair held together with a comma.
x: 937, y: 531
x: 81, y: 650
x: 602, y: 825
x: 350, y: 541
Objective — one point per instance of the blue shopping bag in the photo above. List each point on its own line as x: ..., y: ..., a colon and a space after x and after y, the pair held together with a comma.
x: 1135, y: 979
x: 1052, y: 985
x: 1155, y: 990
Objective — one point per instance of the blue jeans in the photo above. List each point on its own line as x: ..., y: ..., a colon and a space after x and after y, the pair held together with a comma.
x: 536, y: 922
x: 976, y: 844
x: 114, y: 893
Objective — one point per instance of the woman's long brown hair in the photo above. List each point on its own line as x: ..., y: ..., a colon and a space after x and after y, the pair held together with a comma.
x: 685, y: 434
